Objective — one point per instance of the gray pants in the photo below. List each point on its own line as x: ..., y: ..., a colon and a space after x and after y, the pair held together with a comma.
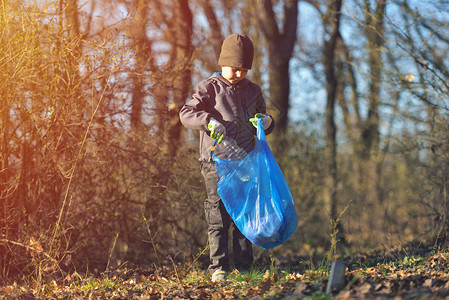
x: 219, y: 222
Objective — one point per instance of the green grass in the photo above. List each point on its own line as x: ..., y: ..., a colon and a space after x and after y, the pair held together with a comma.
x: 252, y: 277
x: 100, y: 283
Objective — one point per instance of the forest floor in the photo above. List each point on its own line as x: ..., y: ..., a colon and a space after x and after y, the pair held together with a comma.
x: 409, y: 273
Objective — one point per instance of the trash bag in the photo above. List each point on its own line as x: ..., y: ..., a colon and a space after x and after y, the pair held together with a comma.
x: 256, y: 195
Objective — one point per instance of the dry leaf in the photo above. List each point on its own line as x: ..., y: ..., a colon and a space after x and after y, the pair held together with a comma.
x: 35, y: 246
x: 251, y: 292
x: 364, y: 288
x: 275, y: 277
x: 428, y: 283
x: 218, y: 296
x: 345, y: 295
x: 203, y: 294
x: 265, y: 284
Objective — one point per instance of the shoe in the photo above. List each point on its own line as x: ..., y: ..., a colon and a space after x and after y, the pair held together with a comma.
x: 218, y: 275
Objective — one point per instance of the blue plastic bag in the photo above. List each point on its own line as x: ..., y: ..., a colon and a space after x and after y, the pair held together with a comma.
x: 256, y: 195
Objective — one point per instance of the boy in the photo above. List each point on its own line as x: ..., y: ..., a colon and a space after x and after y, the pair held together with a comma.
x: 221, y: 108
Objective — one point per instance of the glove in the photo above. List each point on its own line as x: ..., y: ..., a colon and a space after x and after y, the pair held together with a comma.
x: 266, y: 120
x: 217, y: 130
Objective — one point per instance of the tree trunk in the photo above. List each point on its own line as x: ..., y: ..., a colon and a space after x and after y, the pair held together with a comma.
x: 374, y: 32
x: 332, y: 27
x: 215, y: 27
x: 182, y: 44
x: 280, y: 44
x: 369, y: 195
x: 74, y: 34
x: 143, y: 59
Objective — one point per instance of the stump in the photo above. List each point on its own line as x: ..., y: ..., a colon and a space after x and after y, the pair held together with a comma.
x: 336, y: 277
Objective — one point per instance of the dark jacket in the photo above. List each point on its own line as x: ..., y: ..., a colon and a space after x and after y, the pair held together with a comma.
x: 230, y: 104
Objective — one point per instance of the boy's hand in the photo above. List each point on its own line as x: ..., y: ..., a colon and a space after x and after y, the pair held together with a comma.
x: 266, y: 120
x: 217, y: 130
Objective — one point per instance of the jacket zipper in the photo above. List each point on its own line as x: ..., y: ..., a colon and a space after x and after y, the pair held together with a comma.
x: 245, y: 109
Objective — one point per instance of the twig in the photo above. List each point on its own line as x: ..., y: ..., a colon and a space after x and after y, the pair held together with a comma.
x: 152, y: 241
x: 112, y: 250
x: 58, y: 222
x: 29, y: 248
x: 196, y: 258
x: 174, y: 267
x: 334, y: 240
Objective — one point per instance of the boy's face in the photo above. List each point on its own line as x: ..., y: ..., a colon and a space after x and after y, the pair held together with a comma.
x: 233, y: 75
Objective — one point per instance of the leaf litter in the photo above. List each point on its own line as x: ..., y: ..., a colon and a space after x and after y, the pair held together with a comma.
x: 399, y: 275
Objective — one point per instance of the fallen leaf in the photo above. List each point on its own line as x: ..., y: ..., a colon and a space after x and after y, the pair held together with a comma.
x: 364, y: 288
x: 8, y: 288
x: 275, y: 277
x: 345, y: 295
x: 301, y: 287
x: 203, y: 294
x: 218, y: 296
x: 251, y: 292
x: 427, y: 283
x: 265, y: 284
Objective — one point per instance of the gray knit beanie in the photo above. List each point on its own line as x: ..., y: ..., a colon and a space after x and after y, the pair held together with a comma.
x: 237, y: 51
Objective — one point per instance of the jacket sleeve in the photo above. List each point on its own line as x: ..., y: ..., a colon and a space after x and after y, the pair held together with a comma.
x: 194, y: 114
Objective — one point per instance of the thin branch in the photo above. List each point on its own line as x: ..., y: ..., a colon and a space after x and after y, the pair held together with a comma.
x: 28, y: 247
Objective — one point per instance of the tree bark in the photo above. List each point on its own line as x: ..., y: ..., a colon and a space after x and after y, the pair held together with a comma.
x: 143, y: 59
x: 74, y: 34
x: 280, y: 43
x: 332, y: 26
x: 215, y: 27
x: 183, y: 51
x: 374, y: 32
